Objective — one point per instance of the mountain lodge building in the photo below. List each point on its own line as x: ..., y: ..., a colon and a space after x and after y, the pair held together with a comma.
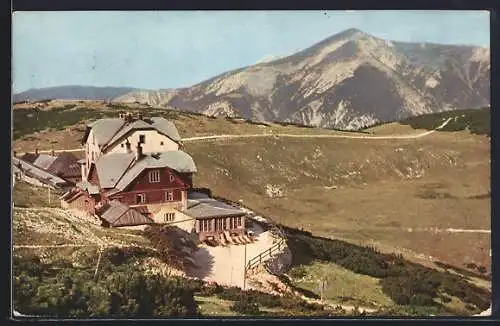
x: 134, y: 174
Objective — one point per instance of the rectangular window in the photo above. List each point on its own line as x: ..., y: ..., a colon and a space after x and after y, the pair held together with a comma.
x: 169, y: 217
x: 140, y: 198
x: 154, y: 176
x: 219, y: 224
x: 142, y: 139
x: 169, y: 196
x: 206, y: 225
x: 238, y: 221
x: 231, y: 223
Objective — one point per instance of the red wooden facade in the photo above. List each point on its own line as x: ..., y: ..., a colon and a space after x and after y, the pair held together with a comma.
x: 168, y: 179
x: 152, y: 186
x: 154, y: 196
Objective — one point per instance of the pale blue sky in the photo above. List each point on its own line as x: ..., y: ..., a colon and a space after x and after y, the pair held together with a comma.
x: 180, y: 48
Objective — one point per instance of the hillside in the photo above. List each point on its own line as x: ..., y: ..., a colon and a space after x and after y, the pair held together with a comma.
x: 426, y: 198
x: 72, y: 93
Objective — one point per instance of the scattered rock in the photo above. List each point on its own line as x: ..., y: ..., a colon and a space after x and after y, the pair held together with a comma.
x: 274, y: 191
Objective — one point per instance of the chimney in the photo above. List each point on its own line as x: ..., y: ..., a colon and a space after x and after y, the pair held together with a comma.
x: 36, y: 151
x: 15, y: 154
x: 121, y: 115
x: 127, y: 147
x: 52, y: 153
x: 138, y: 153
x: 139, y: 116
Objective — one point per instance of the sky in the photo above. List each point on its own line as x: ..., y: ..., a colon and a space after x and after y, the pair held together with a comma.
x: 169, y: 49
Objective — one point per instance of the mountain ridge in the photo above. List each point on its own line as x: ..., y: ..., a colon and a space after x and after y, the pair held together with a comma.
x: 348, y: 80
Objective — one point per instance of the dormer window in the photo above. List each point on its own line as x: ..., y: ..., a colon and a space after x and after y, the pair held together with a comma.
x: 154, y: 176
x: 142, y: 139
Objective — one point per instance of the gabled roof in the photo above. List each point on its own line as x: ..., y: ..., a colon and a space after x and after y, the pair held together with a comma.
x: 162, y: 125
x: 43, y: 161
x: 104, y: 129
x: 176, y: 160
x: 166, y: 127
x: 118, y: 214
x: 109, y: 130
x: 65, y: 165
x: 111, y: 167
x: 88, y: 187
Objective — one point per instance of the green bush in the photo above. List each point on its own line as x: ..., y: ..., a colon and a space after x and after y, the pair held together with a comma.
x: 122, y: 292
x: 245, y: 306
x: 482, y: 269
x: 405, y: 282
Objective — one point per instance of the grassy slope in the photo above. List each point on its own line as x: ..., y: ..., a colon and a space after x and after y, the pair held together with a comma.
x: 62, y: 126
x: 372, y: 200
x: 342, y: 285
x: 367, y: 175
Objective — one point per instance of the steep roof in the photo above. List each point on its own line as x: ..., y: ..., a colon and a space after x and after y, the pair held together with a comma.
x: 176, y: 160
x: 43, y: 161
x: 111, y: 167
x: 87, y: 186
x: 166, y: 127
x: 38, y: 173
x: 65, y: 165
x: 105, y: 129
x: 118, y: 214
x: 162, y: 125
x: 109, y: 130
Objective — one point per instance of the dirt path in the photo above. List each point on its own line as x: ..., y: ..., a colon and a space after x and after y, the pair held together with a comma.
x: 319, y: 135
x: 449, y: 230
x: 191, y: 139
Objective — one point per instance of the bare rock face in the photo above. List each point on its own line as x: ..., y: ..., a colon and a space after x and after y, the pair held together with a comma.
x: 347, y: 81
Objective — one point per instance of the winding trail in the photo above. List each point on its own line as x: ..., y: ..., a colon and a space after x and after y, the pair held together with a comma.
x: 215, y: 137
x: 412, y: 136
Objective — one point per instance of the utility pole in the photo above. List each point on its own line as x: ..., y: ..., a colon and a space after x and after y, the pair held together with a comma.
x: 245, y: 270
x: 98, y: 261
x: 49, y: 195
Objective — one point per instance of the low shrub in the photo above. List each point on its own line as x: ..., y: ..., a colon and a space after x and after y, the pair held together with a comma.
x: 405, y: 282
x: 245, y: 306
x: 482, y: 269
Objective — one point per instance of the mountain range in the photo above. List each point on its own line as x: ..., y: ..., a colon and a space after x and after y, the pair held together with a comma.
x: 347, y: 81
